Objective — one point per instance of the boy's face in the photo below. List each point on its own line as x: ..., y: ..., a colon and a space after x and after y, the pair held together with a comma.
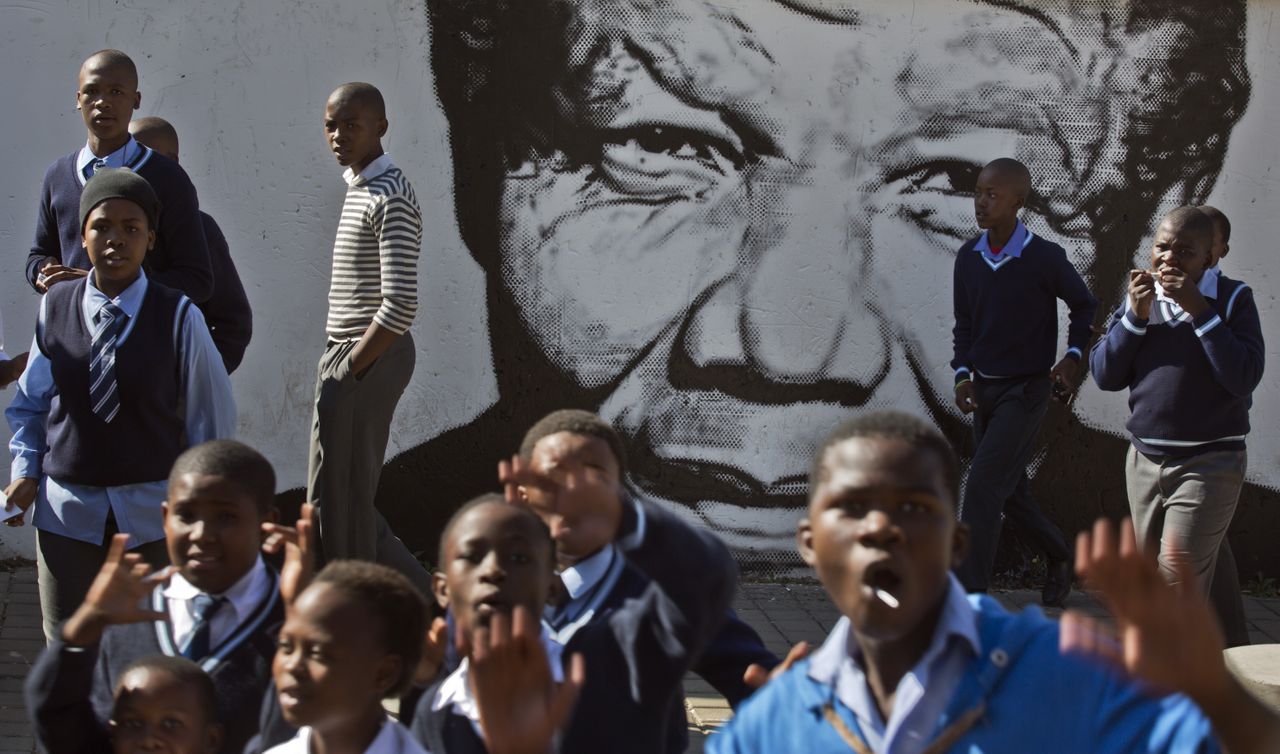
x: 882, y: 517
x: 117, y: 237
x: 495, y: 558
x: 997, y: 198
x: 354, y: 132
x: 213, y: 529
x: 1175, y: 247
x: 330, y: 665
x: 584, y: 509
x: 156, y: 712
x: 106, y: 97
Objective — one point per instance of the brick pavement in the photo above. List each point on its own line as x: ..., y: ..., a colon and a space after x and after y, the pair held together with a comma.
x: 783, y: 614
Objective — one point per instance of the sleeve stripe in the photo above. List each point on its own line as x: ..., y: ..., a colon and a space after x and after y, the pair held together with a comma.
x: 1207, y: 326
x: 1231, y: 303
x: 1128, y: 325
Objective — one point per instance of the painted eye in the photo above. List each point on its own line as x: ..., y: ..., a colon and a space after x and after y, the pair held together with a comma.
x: 674, y: 141
x: 952, y: 177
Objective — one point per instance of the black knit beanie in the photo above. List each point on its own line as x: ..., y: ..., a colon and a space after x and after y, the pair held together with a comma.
x: 119, y: 183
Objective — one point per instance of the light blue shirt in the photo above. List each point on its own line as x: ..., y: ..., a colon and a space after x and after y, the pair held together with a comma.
x: 122, y: 157
x: 1012, y: 248
x: 583, y: 579
x: 923, y: 693
x: 80, y: 511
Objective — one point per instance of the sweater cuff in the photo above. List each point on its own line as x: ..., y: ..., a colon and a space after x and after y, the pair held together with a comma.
x: 1133, y: 324
x: 963, y: 375
x: 1206, y: 322
x: 1074, y: 352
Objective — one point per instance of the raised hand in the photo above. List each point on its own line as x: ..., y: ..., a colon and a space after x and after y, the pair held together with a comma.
x: 521, y: 708
x: 299, y: 543
x: 756, y: 676
x: 1179, y: 286
x: 517, y: 473
x: 1167, y: 635
x: 118, y: 595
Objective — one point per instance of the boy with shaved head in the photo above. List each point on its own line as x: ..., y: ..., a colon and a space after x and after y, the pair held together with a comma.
x: 106, y: 96
x: 369, y: 357
x: 1007, y: 285
x: 1187, y: 343
x: 227, y: 310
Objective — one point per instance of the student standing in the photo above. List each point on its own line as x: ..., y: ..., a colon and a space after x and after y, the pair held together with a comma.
x: 1187, y: 344
x: 106, y: 96
x: 1007, y: 285
x: 227, y: 309
x: 369, y: 358
x: 123, y: 377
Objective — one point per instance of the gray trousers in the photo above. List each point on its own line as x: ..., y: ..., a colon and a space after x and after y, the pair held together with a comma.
x: 65, y: 568
x: 1004, y: 432
x: 349, y: 432
x: 1182, y: 506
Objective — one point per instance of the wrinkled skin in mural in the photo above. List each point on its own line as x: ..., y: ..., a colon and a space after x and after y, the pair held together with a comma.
x: 723, y: 225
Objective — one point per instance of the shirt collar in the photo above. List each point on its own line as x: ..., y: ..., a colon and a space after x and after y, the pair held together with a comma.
x: 244, y: 595
x: 392, y: 738
x: 580, y: 577
x: 381, y: 164
x: 1208, y: 285
x: 1012, y: 248
x: 455, y: 690
x: 117, y: 159
x: 129, y: 300
x: 838, y: 662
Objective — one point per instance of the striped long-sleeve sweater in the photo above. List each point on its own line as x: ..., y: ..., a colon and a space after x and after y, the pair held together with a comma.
x: 375, y: 255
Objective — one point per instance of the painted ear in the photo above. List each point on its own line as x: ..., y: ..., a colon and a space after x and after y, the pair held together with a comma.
x: 804, y: 541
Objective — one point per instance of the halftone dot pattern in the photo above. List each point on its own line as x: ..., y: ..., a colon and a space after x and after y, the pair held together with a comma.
x: 631, y: 204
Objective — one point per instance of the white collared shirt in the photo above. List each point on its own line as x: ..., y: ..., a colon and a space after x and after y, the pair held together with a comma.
x: 243, y: 598
x: 392, y: 738
x: 381, y: 164
x: 923, y: 693
x: 455, y: 691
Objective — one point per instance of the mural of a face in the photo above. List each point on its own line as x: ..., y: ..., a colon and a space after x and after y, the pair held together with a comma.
x: 721, y: 225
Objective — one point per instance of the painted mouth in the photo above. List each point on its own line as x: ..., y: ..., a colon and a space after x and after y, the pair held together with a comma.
x: 690, y: 482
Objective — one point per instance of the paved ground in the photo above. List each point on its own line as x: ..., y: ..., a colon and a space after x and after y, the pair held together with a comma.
x: 783, y: 614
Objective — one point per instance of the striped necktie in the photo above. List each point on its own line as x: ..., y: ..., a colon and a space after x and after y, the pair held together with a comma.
x: 94, y: 167
x: 203, y: 608
x: 103, y: 394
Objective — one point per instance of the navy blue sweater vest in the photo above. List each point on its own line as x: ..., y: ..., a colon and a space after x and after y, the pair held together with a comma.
x: 147, y: 434
x: 1007, y: 318
x: 1190, y: 381
x: 180, y: 258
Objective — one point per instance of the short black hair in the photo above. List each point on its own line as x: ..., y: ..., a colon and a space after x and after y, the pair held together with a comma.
x: 112, y: 58
x: 1007, y: 166
x: 897, y: 425
x: 1192, y: 220
x: 366, y: 95
x: 147, y: 128
x: 492, y: 498
x: 183, y: 671
x: 1220, y: 221
x: 578, y: 422
x: 399, y: 607
x: 240, y: 464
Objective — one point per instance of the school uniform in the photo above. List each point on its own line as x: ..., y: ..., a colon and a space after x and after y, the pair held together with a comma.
x: 447, y: 718
x: 990, y: 681
x: 638, y: 641
x: 227, y: 310
x: 70, y: 683
x: 650, y: 532
x: 375, y: 279
x: 180, y: 258
x: 392, y: 738
x: 99, y: 475
x: 1190, y: 382
x: 1005, y: 337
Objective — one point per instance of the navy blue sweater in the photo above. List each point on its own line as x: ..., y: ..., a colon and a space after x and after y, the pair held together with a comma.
x: 1007, y: 318
x: 227, y: 310
x: 1190, y: 381
x: 70, y: 693
x: 180, y: 258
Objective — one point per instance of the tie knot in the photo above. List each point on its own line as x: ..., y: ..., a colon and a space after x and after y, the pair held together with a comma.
x: 203, y: 606
x: 110, y: 313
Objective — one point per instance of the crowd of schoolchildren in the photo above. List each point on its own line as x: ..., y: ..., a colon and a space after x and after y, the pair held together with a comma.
x: 181, y: 615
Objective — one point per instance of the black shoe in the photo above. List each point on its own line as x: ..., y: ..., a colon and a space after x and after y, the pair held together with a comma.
x: 1057, y: 584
